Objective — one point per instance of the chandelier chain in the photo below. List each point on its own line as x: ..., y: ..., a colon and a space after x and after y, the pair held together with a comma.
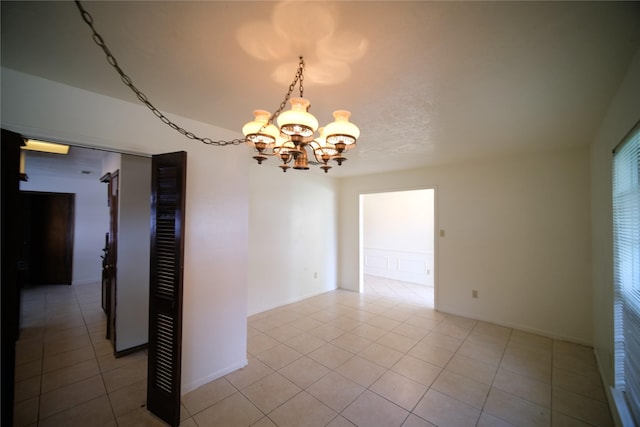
x: 97, y: 38
x: 299, y: 77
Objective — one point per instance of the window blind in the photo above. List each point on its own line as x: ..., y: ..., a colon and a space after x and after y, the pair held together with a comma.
x: 626, y: 260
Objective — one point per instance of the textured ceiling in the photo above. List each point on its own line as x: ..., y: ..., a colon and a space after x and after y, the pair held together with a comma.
x: 428, y: 83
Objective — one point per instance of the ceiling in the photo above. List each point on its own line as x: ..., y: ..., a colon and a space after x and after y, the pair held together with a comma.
x: 428, y: 83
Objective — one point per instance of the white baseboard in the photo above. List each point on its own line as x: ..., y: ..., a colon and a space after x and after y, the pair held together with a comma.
x: 290, y: 301
x: 186, y: 388
x: 86, y: 281
x: 523, y: 328
x: 619, y: 409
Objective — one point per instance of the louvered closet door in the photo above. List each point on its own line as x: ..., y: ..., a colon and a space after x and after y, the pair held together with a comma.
x: 165, y: 299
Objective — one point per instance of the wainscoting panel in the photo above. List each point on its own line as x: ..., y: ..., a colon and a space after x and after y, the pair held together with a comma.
x: 412, y: 267
x: 376, y: 262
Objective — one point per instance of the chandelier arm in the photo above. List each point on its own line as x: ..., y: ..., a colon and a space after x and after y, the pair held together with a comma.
x: 97, y: 38
x: 313, y: 146
x: 317, y: 146
x: 315, y: 155
x: 267, y: 153
x: 323, y: 150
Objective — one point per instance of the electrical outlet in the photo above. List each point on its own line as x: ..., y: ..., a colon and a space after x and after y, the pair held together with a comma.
x: 474, y: 293
x: 315, y: 275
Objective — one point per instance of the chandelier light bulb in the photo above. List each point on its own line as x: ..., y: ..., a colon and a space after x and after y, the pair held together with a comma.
x: 341, y: 132
x: 259, y: 132
x: 282, y: 143
x: 297, y: 121
x: 324, y: 148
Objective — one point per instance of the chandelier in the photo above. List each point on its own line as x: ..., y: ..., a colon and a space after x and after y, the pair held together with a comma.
x: 295, y: 139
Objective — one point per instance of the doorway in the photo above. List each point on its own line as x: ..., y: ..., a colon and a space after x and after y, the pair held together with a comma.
x: 397, y: 244
x: 91, y: 325
x: 47, y: 236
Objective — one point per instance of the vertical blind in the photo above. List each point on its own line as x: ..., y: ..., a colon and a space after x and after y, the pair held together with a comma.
x: 626, y: 259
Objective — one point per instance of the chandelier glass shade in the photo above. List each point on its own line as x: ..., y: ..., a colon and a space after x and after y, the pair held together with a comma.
x: 298, y: 122
x: 260, y: 131
x: 294, y: 140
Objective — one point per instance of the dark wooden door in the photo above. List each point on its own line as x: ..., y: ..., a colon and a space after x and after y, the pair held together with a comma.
x: 10, y: 289
x: 111, y: 267
x: 48, y: 226
x: 168, y: 181
x: 105, y: 276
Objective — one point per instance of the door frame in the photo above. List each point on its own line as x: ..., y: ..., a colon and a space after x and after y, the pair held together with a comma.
x: 361, y: 259
x: 112, y: 179
x: 17, y: 325
x: 11, y: 277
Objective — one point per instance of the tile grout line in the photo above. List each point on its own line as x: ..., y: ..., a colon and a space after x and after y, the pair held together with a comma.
x: 350, y: 305
x: 93, y: 349
x: 44, y: 330
x: 406, y: 353
x: 493, y: 380
x: 367, y: 388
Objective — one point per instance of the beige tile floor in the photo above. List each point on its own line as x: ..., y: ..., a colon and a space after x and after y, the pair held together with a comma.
x: 382, y: 358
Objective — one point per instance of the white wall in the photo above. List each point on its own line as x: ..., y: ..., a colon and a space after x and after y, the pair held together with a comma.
x: 516, y: 229
x: 623, y: 113
x: 91, y: 219
x: 398, y: 235
x: 111, y: 162
x: 134, y: 212
x: 216, y: 232
x: 292, y: 240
